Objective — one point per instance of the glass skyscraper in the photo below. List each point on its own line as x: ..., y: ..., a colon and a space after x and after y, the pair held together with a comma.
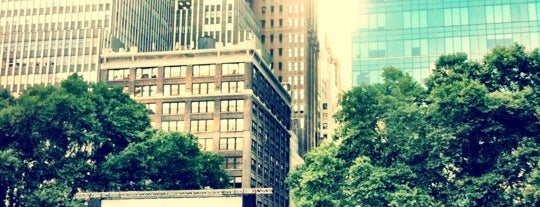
x: 411, y: 34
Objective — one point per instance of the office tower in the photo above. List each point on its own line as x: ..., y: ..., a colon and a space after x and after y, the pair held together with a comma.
x: 227, y: 97
x: 218, y: 22
x: 411, y: 35
x: 42, y: 42
x: 329, y: 83
x: 289, y: 33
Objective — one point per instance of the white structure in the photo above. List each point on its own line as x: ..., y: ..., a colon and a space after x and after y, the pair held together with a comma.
x: 201, y: 198
x: 43, y: 42
x: 328, y: 93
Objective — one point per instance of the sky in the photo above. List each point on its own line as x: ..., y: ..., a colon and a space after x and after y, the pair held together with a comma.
x: 335, y: 23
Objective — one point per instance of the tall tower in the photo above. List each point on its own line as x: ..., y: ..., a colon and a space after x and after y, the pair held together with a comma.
x: 42, y: 42
x: 224, y: 22
x: 289, y: 33
x: 411, y: 35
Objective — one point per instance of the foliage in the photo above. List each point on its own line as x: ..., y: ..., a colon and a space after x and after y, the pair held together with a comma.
x: 56, y: 141
x: 316, y: 183
x: 469, y: 137
x: 165, y: 161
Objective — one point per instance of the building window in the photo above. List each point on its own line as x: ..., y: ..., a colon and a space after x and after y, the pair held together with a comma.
x: 232, y: 105
x: 202, y: 125
x: 206, y: 144
x: 415, y: 19
x: 203, y: 88
x: 118, y: 74
x: 495, y: 14
x: 174, y: 108
x: 204, y: 70
x: 280, y: 52
x: 151, y: 108
x: 377, y: 50
x: 280, y: 8
x: 532, y: 12
x: 231, y: 125
x: 232, y: 87
x: 143, y: 73
x: 272, y: 38
x: 263, y: 9
x: 174, y: 126
x: 280, y: 37
x: 271, y: 23
x: 230, y: 143
x: 232, y: 68
x: 236, y: 182
x: 174, y: 89
x: 233, y: 162
x: 271, y: 9
x: 145, y: 91
x: 263, y: 23
x: 202, y: 106
x: 377, y: 21
x: 175, y: 71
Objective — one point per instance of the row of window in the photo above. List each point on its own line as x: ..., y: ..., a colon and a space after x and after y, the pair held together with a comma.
x: 197, y: 89
x: 296, y: 80
x: 293, y: 22
x: 55, y: 10
x: 423, y: 47
x: 296, y: 52
x: 292, y: 8
x: 205, y: 125
x: 295, y: 66
x: 198, y: 107
x: 177, y: 71
x: 263, y: 9
x: 56, y: 26
x: 451, y: 16
x: 225, y: 143
x: 280, y: 23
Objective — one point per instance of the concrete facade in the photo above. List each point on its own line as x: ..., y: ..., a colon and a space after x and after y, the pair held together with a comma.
x: 289, y: 34
x: 43, y: 42
x: 228, y: 97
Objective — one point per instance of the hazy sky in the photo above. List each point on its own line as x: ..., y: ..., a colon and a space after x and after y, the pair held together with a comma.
x: 335, y: 23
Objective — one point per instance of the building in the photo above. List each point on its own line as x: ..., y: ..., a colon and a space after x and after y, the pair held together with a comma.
x: 227, y: 96
x: 330, y: 88
x: 223, y: 22
x: 42, y: 42
x: 411, y: 35
x: 289, y: 33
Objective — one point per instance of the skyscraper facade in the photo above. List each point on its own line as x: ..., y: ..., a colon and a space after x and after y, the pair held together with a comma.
x: 224, y: 22
x: 410, y: 35
x: 42, y: 42
x: 289, y: 33
x: 329, y: 73
x: 227, y: 97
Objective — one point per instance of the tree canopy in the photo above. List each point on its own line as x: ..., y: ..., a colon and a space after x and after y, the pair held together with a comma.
x: 57, y: 141
x: 468, y: 137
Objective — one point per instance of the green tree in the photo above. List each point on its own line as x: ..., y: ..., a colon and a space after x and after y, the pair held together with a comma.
x: 61, y: 135
x: 468, y: 138
x: 318, y: 181
x: 56, y: 141
x: 165, y: 161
